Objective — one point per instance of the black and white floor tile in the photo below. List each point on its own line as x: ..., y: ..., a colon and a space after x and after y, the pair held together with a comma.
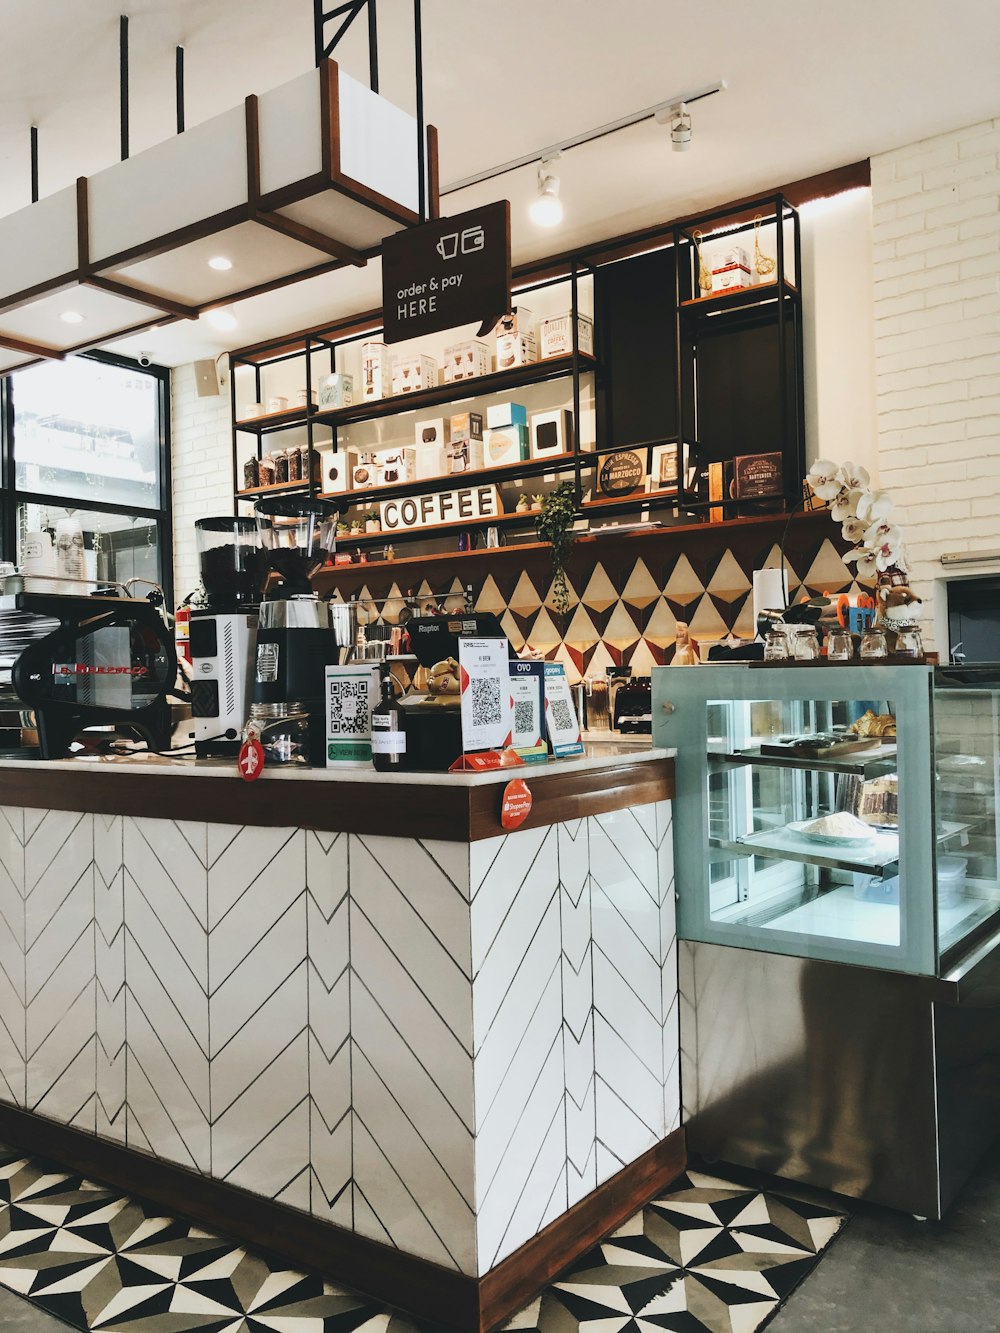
x: 710, y: 1255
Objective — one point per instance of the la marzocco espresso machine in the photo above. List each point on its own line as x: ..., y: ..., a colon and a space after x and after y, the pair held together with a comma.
x: 295, y: 637
x: 77, y: 662
x: 224, y: 633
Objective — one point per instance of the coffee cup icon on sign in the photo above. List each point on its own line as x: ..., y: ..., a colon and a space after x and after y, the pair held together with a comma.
x: 473, y: 239
x: 447, y: 246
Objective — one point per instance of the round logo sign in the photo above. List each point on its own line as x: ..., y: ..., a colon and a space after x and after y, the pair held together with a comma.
x: 516, y: 804
x: 621, y: 474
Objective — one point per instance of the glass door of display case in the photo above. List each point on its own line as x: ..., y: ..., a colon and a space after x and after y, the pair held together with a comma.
x: 804, y: 810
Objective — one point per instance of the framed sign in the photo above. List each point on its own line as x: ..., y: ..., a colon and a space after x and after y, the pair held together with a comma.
x: 621, y: 474
x: 429, y: 511
x: 447, y: 273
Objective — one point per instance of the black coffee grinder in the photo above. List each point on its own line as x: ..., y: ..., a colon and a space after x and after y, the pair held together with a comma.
x: 295, y: 637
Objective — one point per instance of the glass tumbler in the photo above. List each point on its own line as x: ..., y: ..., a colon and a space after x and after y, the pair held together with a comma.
x: 775, y: 646
x: 873, y: 646
x: 839, y: 646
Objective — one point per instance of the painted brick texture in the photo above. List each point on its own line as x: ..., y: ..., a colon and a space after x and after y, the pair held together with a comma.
x: 936, y: 211
x: 202, y: 480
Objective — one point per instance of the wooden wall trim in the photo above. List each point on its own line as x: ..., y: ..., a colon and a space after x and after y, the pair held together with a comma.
x: 284, y: 1234
x: 450, y: 813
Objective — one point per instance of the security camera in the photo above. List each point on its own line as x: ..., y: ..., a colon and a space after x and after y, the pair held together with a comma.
x: 144, y: 358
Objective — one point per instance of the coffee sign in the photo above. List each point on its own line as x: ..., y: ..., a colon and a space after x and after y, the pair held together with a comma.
x: 428, y: 511
x: 621, y: 474
x: 447, y: 273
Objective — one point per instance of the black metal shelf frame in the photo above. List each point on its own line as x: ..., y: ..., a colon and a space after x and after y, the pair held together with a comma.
x: 332, y: 342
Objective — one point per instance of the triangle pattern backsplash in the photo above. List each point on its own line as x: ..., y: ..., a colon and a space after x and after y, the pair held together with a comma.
x: 626, y: 599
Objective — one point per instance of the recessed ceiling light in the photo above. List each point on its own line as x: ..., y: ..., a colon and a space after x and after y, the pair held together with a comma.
x: 220, y: 263
x: 71, y: 317
x: 222, y: 319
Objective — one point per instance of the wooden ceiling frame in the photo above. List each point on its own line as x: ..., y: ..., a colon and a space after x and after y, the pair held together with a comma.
x: 104, y: 274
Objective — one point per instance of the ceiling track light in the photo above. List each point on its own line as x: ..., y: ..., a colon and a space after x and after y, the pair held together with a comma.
x: 546, y: 209
x: 680, y: 128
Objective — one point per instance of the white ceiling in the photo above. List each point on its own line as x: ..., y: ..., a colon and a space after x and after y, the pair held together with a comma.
x: 811, y: 86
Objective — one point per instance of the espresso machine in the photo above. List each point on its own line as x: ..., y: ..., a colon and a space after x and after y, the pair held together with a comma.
x: 224, y: 632
x: 296, y: 641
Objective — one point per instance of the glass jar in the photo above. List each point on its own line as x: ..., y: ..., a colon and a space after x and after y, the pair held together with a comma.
x: 776, y: 645
x: 806, y: 646
x: 873, y: 645
x: 839, y: 646
x: 251, y: 474
x: 909, y: 644
x: 280, y: 466
x: 284, y: 732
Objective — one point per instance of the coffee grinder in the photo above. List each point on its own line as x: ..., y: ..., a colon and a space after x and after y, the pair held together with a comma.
x: 223, y: 633
x: 295, y: 637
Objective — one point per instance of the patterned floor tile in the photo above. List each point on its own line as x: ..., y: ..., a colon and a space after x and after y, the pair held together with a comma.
x: 711, y: 1255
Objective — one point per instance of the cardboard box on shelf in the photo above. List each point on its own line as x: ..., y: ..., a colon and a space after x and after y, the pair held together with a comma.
x: 336, y: 390
x: 730, y: 277
x: 506, y: 444
x: 516, y: 349
x: 410, y: 374
x: 467, y: 360
x: 551, y: 432
x: 556, y: 335
x: 376, y: 376
x: 398, y: 465
x: 430, y: 437
x: 337, y: 468
x: 365, y: 472
x: 466, y: 423
x: 499, y: 415
x: 517, y: 320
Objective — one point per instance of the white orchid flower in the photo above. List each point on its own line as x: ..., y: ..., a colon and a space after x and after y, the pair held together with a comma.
x: 867, y: 565
x: 853, y: 530
x: 882, y: 533
x: 859, y: 553
x: 846, y: 505
x: 875, y: 505
x: 855, y: 477
x: 825, y: 479
x: 886, y: 558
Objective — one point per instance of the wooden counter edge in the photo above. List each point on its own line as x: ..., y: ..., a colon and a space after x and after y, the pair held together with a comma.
x: 288, y: 1235
x: 404, y: 810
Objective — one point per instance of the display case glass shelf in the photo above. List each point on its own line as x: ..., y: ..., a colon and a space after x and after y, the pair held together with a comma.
x: 826, y: 840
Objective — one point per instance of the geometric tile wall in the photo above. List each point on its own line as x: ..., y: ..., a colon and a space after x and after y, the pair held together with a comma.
x: 424, y: 1041
x: 624, y: 607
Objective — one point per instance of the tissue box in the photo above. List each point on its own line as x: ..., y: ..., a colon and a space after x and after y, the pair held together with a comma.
x: 506, y: 414
x: 556, y: 335
x: 508, y: 444
x: 410, y: 374
x: 336, y: 391
x: 465, y: 361
x: 376, y: 381
x: 515, y: 349
x: 551, y: 432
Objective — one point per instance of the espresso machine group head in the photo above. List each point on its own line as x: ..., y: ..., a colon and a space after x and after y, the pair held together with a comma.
x: 224, y: 632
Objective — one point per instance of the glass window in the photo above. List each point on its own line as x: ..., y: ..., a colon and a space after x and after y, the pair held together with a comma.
x: 54, y: 542
x: 85, y: 429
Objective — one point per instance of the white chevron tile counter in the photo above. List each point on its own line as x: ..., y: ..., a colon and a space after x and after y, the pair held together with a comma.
x: 441, y: 1046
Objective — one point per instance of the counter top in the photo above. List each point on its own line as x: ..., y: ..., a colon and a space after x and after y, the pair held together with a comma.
x: 454, y: 807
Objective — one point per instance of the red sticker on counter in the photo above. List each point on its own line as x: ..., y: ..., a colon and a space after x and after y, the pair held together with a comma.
x: 516, y: 805
x: 251, y: 760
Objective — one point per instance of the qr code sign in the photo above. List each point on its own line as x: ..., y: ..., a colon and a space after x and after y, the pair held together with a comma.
x: 524, y: 717
x: 562, y: 716
x: 487, y: 710
x: 347, y: 708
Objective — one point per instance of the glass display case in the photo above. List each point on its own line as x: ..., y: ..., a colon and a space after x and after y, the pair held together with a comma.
x: 846, y: 814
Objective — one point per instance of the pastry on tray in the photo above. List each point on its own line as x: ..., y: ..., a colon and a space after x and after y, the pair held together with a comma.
x: 875, y: 724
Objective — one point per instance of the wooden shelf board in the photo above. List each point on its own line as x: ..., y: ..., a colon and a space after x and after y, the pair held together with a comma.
x: 277, y: 489
x: 739, y: 296
x: 498, y: 381
x: 291, y: 416
x: 528, y: 469
x: 329, y: 572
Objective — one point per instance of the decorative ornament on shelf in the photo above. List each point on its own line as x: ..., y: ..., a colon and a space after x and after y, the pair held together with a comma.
x: 555, y: 525
x: 704, y: 276
x: 877, y: 552
x: 763, y: 263
x: 687, y: 651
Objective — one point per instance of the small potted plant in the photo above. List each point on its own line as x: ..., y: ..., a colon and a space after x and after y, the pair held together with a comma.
x: 373, y: 522
x: 357, y: 527
x: 522, y: 505
x: 537, y: 501
x: 342, y: 529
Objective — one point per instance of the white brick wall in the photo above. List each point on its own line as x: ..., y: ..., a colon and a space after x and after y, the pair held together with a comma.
x: 202, y: 481
x: 936, y: 209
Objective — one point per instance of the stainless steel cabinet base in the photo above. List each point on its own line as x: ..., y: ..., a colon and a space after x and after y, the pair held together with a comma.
x: 841, y: 1077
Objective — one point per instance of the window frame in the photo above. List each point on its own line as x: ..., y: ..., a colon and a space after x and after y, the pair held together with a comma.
x: 12, y: 496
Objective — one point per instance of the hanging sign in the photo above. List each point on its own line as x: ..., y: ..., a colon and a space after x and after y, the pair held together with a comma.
x: 428, y: 511
x: 515, y: 805
x: 446, y: 273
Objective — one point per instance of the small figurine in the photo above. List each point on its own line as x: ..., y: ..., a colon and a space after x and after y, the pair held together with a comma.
x: 687, y: 652
x: 899, y: 608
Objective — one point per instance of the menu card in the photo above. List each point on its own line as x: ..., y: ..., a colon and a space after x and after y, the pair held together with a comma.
x: 486, y: 704
x: 560, y: 715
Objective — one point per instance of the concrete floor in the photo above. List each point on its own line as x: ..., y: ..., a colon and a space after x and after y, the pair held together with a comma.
x: 889, y: 1273
x: 16, y: 1313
